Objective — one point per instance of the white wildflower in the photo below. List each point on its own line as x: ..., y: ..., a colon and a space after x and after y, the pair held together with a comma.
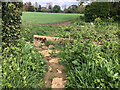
x: 82, y: 26
x: 18, y: 69
x: 115, y: 74
x: 92, y: 23
x: 9, y: 66
x: 5, y: 73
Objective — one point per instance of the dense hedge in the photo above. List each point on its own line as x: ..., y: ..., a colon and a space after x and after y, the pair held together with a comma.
x: 104, y: 10
x: 22, y: 65
x: 11, y: 16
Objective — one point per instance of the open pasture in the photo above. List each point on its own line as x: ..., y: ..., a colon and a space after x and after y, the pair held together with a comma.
x: 37, y: 17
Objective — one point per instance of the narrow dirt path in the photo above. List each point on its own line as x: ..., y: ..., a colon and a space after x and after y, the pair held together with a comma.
x: 59, y: 23
x: 55, y: 76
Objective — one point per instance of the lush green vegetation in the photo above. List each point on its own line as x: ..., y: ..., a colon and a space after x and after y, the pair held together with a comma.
x: 93, y: 57
x: 36, y: 17
x: 104, y: 10
x: 23, y: 66
x: 31, y: 26
x: 31, y: 29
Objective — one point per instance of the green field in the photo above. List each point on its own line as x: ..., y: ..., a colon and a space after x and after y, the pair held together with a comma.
x: 37, y: 17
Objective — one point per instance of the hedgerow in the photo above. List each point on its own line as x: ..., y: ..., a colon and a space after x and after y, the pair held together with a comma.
x: 22, y: 65
x: 104, y: 10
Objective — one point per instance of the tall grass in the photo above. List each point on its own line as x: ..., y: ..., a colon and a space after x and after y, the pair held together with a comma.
x: 92, y: 59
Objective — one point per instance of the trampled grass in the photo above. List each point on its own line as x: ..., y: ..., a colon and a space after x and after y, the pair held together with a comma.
x: 37, y: 17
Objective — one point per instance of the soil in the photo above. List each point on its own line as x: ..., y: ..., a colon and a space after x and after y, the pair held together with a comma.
x: 55, y: 76
x: 58, y: 24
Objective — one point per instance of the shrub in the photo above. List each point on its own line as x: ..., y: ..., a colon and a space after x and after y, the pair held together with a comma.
x: 97, y: 9
x: 56, y: 9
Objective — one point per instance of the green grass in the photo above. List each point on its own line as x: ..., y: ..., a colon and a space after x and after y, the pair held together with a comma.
x: 37, y: 17
x: 89, y: 63
x: 31, y: 23
x: 28, y: 30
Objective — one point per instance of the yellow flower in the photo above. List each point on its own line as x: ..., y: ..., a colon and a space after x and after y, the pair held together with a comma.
x: 24, y: 77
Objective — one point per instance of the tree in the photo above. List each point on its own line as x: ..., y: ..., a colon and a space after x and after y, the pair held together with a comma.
x: 68, y: 10
x: 50, y: 7
x: 29, y: 7
x: 56, y: 9
x: 36, y: 6
x: 80, y: 9
x: 39, y: 8
x: 74, y: 7
x: 43, y: 9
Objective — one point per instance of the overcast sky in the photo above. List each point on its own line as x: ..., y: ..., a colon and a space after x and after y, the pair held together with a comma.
x: 55, y: 2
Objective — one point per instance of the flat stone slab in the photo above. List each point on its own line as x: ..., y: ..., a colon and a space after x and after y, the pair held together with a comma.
x: 59, y: 71
x: 39, y: 40
x: 50, y: 68
x: 58, y: 83
x: 54, y: 60
x: 50, y: 46
x: 46, y: 52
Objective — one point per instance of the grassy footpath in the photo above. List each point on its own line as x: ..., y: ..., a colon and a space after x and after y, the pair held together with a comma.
x: 37, y: 17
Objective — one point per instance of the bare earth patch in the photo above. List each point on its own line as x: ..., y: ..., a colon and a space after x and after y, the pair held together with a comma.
x: 58, y: 24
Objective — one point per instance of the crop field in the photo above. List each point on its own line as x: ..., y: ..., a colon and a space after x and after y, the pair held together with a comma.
x: 37, y: 17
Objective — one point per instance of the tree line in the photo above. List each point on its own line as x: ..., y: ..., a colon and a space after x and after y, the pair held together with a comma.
x: 104, y: 10
x: 53, y: 9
